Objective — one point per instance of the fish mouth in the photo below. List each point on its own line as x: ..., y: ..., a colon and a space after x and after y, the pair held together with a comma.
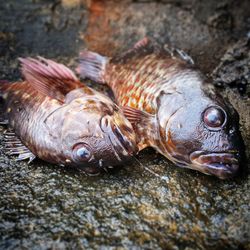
x: 127, y: 144
x: 224, y: 165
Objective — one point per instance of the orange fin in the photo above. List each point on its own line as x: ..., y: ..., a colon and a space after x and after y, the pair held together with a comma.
x: 143, y: 124
x: 134, y: 115
x: 92, y: 66
x: 48, y: 77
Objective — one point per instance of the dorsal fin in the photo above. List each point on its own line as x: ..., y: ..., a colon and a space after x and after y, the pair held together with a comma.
x: 148, y: 46
x: 48, y: 77
x: 143, y: 47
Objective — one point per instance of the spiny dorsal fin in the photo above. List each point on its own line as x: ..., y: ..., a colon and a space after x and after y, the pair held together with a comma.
x: 148, y: 46
x: 143, y: 47
x: 14, y: 146
x: 146, y: 43
x: 48, y: 77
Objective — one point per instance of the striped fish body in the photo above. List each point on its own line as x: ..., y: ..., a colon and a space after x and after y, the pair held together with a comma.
x: 171, y: 105
x: 146, y: 76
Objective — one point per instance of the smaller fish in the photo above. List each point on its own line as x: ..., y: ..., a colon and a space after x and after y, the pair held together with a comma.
x: 172, y: 106
x: 55, y: 117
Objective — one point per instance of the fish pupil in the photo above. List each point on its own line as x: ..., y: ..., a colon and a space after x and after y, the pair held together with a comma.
x: 214, y: 117
x: 83, y: 153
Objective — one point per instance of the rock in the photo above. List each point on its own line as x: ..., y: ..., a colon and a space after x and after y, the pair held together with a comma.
x: 234, y: 68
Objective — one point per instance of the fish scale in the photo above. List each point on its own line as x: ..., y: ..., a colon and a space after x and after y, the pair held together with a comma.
x: 133, y: 93
x: 141, y: 86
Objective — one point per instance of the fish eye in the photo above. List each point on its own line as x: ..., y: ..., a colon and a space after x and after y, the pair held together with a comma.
x: 214, y: 117
x: 81, y: 152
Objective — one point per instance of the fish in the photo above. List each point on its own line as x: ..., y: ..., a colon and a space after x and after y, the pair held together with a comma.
x: 53, y: 116
x: 172, y: 106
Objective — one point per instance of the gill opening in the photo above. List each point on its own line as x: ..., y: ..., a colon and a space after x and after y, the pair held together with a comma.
x: 167, y: 149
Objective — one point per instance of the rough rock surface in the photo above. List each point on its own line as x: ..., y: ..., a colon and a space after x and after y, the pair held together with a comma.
x: 47, y: 207
x: 234, y: 68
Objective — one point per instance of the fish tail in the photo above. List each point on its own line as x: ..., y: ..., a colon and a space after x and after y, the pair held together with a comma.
x: 92, y: 66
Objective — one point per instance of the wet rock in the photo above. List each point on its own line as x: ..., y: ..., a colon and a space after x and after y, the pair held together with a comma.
x: 234, y: 68
x: 222, y: 20
x: 219, y: 16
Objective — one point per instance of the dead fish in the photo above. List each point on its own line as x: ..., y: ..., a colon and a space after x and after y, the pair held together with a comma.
x: 172, y: 106
x: 60, y: 120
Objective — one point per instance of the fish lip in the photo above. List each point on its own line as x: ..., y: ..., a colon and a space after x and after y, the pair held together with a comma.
x: 123, y: 147
x: 123, y: 151
x: 123, y: 140
x: 224, y: 164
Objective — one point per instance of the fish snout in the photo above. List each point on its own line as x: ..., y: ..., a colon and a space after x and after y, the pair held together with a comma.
x: 224, y: 165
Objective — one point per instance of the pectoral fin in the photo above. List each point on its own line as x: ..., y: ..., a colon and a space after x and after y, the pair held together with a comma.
x: 135, y: 116
x: 13, y: 146
x: 143, y: 124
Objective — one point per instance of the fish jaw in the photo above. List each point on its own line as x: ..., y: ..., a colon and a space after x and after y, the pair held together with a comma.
x: 224, y: 165
x: 121, y: 136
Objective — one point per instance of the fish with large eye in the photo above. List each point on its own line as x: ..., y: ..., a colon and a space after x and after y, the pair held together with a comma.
x: 55, y: 117
x: 172, y: 106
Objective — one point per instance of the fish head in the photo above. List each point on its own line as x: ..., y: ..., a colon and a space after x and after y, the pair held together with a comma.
x: 96, y: 134
x: 201, y: 132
